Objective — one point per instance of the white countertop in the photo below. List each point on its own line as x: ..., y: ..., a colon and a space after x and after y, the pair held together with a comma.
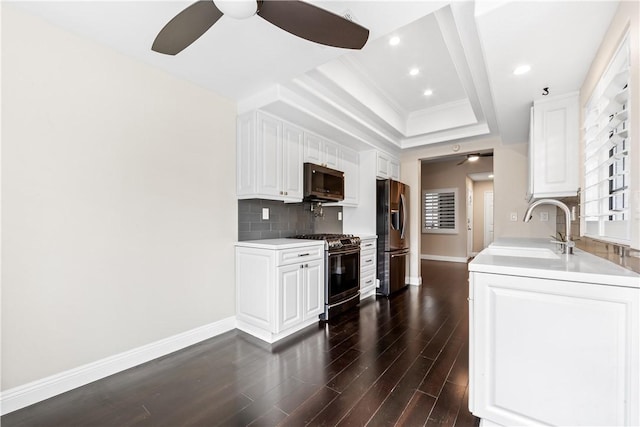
x: 579, y: 267
x: 280, y: 243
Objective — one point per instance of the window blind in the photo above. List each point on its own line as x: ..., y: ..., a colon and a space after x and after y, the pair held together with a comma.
x: 439, y: 211
x: 605, y: 196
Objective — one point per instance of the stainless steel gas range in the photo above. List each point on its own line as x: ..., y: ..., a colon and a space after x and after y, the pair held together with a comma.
x: 342, y: 272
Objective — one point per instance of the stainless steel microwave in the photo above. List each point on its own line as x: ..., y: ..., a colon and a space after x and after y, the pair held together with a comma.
x: 323, y: 184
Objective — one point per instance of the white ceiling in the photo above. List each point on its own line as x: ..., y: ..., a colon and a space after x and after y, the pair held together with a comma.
x: 466, y: 53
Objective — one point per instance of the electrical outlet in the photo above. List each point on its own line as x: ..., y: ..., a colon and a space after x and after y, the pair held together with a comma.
x: 544, y: 216
x: 513, y: 216
x: 265, y: 213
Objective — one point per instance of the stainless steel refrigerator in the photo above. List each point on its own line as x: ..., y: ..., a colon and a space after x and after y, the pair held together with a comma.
x: 392, y: 222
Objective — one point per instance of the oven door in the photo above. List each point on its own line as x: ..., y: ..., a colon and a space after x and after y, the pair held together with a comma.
x: 343, y: 275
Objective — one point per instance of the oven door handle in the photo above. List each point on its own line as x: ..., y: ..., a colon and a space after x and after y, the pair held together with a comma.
x: 344, y: 300
x: 345, y: 252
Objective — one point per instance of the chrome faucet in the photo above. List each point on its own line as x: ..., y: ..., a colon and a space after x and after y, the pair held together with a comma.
x: 568, y: 245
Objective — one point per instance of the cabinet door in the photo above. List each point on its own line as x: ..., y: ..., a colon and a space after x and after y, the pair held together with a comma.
x: 292, y: 147
x: 351, y: 168
x: 313, y: 289
x: 312, y: 148
x: 382, y: 166
x: 394, y: 171
x: 549, y: 352
x: 289, y: 298
x: 269, y: 158
x: 331, y: 155
x: 246, y: 155
x: 554, y: 148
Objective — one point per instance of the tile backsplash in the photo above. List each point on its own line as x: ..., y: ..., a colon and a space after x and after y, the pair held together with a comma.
x: 285, y: 219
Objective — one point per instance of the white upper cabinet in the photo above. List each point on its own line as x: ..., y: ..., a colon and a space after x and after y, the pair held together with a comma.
x: 321, y: 151
x: 350, y: 162
x: 553, y: 147
x: 388, y: 167
x: 269, y: 158
x: 292, y: 178
x: 271, y: 154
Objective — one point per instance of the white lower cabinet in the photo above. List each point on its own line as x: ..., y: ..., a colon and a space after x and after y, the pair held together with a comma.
x: 553, y: 352
x: 279, y: 291
x: 367, y: 267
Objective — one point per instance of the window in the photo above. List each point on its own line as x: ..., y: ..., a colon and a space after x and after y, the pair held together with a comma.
x: 605, y: 198
x: 439, y: 211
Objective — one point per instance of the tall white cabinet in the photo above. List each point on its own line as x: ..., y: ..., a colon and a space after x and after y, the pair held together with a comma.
x: 554, y: 147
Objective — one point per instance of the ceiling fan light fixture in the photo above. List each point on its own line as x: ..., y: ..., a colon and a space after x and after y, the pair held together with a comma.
x: 239, y: 9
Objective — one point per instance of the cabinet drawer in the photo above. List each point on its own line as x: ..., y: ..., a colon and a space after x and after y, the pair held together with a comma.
x: 367, y: 259
x: 368, y: 280
x: 288, y: 256
x: 367, y: 245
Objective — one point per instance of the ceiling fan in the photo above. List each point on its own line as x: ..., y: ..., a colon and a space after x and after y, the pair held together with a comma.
x: 474, y: 157
x: 296, y: 17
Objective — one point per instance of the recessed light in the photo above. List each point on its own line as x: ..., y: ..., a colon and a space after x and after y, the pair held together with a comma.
x: 414, y: 71
x: 428, y: 92
x: 522, y: 69
x: 394, y: 41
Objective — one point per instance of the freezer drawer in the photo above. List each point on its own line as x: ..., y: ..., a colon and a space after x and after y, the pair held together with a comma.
x: 392, y: 271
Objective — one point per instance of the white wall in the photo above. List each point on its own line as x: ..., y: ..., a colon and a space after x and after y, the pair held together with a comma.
x: 118, y: 202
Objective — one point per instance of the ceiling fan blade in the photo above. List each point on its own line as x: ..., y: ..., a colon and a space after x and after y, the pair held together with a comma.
x: 186, y: 27
x: 461, y: 162
x: 313, y: 23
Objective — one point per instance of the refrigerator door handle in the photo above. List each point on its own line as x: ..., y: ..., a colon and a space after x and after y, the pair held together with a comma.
x: 400, y: 254
x: 404, y: 215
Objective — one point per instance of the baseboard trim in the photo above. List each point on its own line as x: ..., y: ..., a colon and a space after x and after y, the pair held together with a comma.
x: 443, y: 258
x: 45, y: 388
x: 414, y: 281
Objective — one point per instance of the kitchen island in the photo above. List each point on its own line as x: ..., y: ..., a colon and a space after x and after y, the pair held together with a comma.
x: 554, y: 338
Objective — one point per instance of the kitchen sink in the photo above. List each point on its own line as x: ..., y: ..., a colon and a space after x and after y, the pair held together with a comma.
x: 512, y: 251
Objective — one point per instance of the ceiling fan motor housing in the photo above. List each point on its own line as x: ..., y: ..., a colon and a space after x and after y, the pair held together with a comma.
x: 238, y: 9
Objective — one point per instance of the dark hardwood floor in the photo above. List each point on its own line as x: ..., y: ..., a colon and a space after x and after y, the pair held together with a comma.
x: 397, y: 361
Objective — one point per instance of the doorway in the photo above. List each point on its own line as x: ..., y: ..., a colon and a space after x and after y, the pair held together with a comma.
x: 482, y: 211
